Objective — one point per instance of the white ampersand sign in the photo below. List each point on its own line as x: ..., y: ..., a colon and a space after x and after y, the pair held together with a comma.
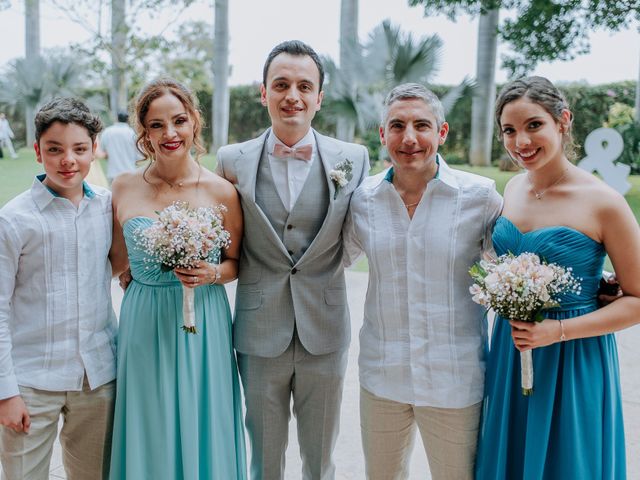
x: 603, y: 146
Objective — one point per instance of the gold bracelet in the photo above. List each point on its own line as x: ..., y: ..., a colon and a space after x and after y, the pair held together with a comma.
x: 562, y: 335
x: 216, y: 267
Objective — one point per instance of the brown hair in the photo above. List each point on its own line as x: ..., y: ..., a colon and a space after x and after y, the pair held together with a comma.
x: 67, y: 110
x: 154, y: 90
x: 544, y: 93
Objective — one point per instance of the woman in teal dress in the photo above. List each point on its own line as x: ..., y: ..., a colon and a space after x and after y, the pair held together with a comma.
x: 571, y: 427
x: 178, y: 412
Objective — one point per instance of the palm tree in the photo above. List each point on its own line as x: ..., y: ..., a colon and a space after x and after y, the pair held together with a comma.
x: 118, y: 93
x: 484, y: 94
x: 350, y: 56
x: 32, y: 57
x: 29, y: 84
x: 390, y: 57
x: 221, y: 75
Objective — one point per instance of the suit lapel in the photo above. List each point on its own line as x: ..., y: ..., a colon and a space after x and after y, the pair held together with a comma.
x: 246, y: 165
x: 330, y: 153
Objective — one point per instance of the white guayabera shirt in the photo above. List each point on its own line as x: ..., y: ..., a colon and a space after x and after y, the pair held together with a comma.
x: 423, y: 339
x: 56, y: 318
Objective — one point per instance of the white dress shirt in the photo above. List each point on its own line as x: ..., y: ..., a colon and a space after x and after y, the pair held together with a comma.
x: 119, y: 142
x: 56, y: 318
x: 289, y: 174
x: 423, y: 340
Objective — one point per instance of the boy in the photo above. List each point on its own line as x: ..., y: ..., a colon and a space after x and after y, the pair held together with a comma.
x: 57, y: 325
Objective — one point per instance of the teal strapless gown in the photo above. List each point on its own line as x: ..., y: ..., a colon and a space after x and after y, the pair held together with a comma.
x: 571, y: 428
x: 178, y: 411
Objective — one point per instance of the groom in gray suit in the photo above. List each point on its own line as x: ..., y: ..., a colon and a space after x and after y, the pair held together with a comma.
x: 291, y: 327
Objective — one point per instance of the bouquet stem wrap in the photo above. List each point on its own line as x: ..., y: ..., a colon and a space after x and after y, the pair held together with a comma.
x: 188, y: 310
x: 526, y: 367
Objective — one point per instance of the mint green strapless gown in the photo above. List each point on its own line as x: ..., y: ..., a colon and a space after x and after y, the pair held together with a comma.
x: 178, y: 411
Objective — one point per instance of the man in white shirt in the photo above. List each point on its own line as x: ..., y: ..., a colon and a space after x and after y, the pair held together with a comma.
x: 422, y: 226
x: 291, y: 327
x: 118, y: 146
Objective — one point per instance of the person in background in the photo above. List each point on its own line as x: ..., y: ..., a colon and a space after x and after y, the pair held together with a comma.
x: 6, y: 135
x: 118, y: 145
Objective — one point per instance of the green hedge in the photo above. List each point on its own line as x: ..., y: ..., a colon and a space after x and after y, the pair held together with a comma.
x: 248, y: 118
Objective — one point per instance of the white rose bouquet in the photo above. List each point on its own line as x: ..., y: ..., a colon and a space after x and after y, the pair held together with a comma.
x: 180, y: 238
x: 519, y: 288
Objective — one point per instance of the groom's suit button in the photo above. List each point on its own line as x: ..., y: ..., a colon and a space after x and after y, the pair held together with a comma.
x: 289, y: 227
x: 294, y: 270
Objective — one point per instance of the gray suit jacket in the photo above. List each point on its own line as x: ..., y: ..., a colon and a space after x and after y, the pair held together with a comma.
x: 276, y: 294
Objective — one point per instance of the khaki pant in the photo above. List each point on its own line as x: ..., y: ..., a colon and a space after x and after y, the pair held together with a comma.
x: 450, y: 437
x: 85, y: 436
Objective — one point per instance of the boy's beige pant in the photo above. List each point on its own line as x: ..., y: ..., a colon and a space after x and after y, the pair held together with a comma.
x: 450, y: 437
x: 85, y: 436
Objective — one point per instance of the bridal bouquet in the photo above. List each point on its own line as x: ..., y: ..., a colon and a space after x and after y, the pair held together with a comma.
x: 519, y: 288
x: 180, y: 238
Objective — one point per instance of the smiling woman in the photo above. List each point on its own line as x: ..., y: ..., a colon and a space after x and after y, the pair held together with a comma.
x: 194, y: 377
x: 572, y: 425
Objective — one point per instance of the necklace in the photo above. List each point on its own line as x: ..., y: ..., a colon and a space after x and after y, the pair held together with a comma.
x: 409, y: 205
x: 173, y: 184
x: 540, y: 193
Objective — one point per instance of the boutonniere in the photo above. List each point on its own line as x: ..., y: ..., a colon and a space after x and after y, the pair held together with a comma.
x: 341, y: 175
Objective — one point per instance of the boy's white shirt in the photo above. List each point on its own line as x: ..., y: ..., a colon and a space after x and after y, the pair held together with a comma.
x: 56, y: 318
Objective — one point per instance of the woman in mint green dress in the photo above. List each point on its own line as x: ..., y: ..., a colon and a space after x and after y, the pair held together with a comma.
x: 571, y: 427
x: 178, y: 412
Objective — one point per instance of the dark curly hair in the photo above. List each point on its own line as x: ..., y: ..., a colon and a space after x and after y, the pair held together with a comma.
x: 67, y: 110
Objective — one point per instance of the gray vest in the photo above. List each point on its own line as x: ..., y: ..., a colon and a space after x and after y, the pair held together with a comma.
x: 297, y: 228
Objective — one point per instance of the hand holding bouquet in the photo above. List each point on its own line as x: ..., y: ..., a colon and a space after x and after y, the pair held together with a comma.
x: 519, y: 288
x: 182, y: 237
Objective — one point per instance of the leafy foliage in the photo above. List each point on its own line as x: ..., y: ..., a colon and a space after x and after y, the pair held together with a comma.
x: 542, y: 30
x: 33, y: 83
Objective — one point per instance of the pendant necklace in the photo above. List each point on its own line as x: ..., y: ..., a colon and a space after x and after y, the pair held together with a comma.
x: 540, y: 193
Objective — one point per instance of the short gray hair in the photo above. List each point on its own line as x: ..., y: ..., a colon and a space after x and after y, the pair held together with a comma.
x: 409, y: 91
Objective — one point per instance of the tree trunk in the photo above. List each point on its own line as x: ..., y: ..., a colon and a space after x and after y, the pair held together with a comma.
x: 349, y: 53
x: 638, y: 98
x: 484, y: 94
x: 221, y: 75
x: 118, y: 92
x: 32, y: 54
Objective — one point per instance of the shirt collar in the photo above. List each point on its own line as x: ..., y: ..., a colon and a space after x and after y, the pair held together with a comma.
x: 43, y: 195
x: 309, y: 138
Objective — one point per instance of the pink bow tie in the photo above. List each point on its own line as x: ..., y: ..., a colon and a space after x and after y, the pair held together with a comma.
x: 301, y: 153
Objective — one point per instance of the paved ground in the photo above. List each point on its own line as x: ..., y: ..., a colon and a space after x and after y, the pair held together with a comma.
x: 348, y: 452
